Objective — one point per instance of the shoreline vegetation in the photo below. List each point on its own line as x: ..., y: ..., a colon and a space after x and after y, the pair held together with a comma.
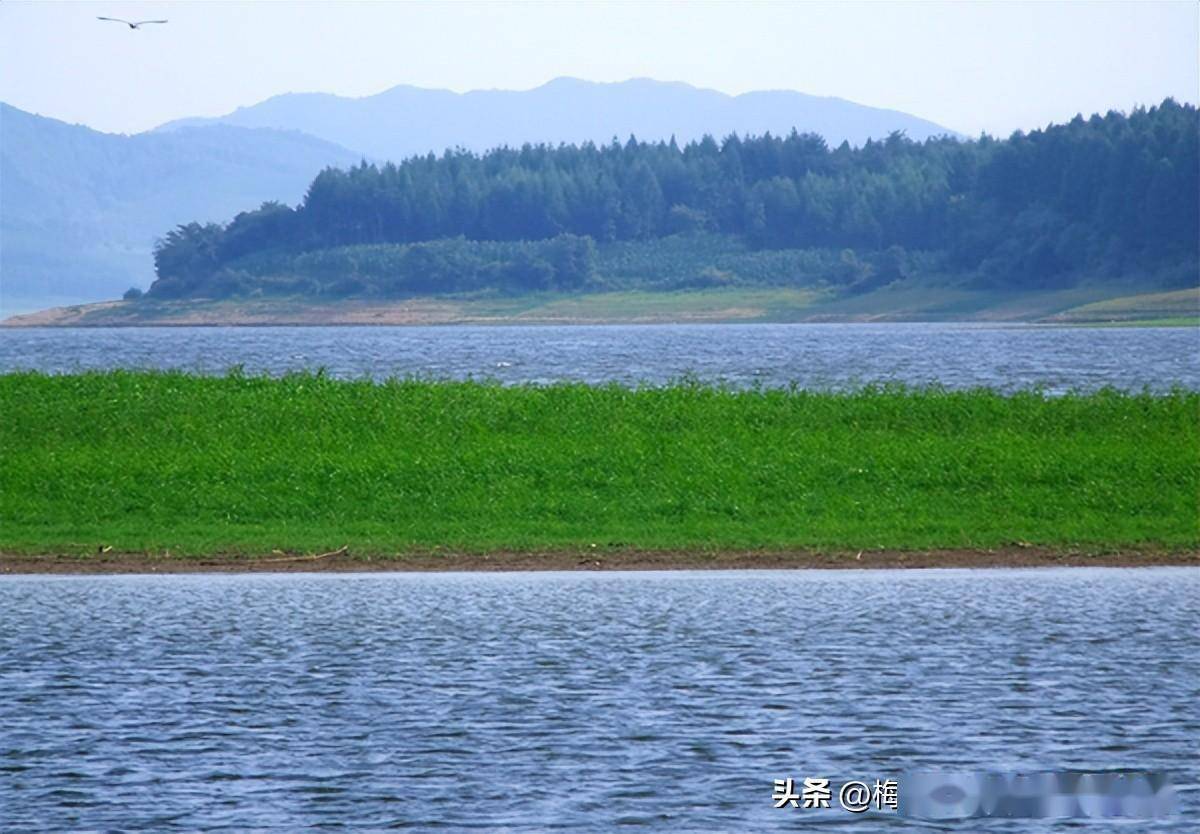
x: 156, y: 471
x: 1083, y: 306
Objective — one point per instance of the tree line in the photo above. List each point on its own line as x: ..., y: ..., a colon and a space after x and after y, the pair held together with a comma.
x: 1110, y: 196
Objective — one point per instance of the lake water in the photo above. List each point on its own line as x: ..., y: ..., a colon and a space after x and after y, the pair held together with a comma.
x: 811, y: 355
x: 666, y: 701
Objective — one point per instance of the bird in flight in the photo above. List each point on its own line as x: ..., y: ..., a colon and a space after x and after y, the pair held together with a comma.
x: 132, y: 24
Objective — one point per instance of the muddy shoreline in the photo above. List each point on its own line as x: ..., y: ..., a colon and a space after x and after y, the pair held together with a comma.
x: 338, y: 561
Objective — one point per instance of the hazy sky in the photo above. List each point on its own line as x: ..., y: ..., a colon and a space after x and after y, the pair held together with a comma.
x: 971, y: 66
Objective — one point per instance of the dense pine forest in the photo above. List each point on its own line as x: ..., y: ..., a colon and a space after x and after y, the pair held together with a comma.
x: 1110, y: 198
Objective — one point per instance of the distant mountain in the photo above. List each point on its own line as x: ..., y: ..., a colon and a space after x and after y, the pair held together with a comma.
x: 80, y: 210
x: 404, y: 120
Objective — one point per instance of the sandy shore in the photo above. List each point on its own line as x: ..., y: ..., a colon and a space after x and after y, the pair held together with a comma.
x: 1013, y: 557
x: 209, y: 314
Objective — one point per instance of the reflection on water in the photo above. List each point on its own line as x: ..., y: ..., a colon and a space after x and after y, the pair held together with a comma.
x: 529, y: 701
x: 812, y: 355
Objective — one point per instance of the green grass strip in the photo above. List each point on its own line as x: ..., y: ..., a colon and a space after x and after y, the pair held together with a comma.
x: 154, y: 461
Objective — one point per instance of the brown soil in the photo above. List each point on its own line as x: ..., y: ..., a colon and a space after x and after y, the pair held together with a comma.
x: 1009, y: 557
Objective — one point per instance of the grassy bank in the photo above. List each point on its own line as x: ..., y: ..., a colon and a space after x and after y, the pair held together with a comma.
x: 151, y: 462
x: 908, y: 300
x: 1178, y: 308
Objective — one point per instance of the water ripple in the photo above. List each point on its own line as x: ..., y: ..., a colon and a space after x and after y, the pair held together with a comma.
x: 667, y: 701
x: 812, y: 355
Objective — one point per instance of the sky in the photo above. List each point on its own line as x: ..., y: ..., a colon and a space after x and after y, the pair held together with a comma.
x: 971, y: 66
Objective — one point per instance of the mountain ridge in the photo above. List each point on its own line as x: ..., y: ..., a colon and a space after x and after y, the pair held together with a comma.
x: 406, y: 120
x: 81, y: 209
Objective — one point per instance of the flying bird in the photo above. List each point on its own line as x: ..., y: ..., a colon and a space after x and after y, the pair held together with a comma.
x: 132, y: 24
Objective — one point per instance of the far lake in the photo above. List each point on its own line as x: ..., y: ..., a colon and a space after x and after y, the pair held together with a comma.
x: 822, y: 356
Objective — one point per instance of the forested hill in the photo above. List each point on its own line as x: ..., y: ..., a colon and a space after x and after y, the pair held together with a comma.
x: 1112, y: 197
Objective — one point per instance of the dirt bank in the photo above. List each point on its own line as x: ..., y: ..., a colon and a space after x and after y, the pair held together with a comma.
x: 1011, y: 557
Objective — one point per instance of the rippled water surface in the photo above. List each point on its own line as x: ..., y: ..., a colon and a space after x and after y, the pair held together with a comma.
x: 813, y: 355
x: 669, y: 701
